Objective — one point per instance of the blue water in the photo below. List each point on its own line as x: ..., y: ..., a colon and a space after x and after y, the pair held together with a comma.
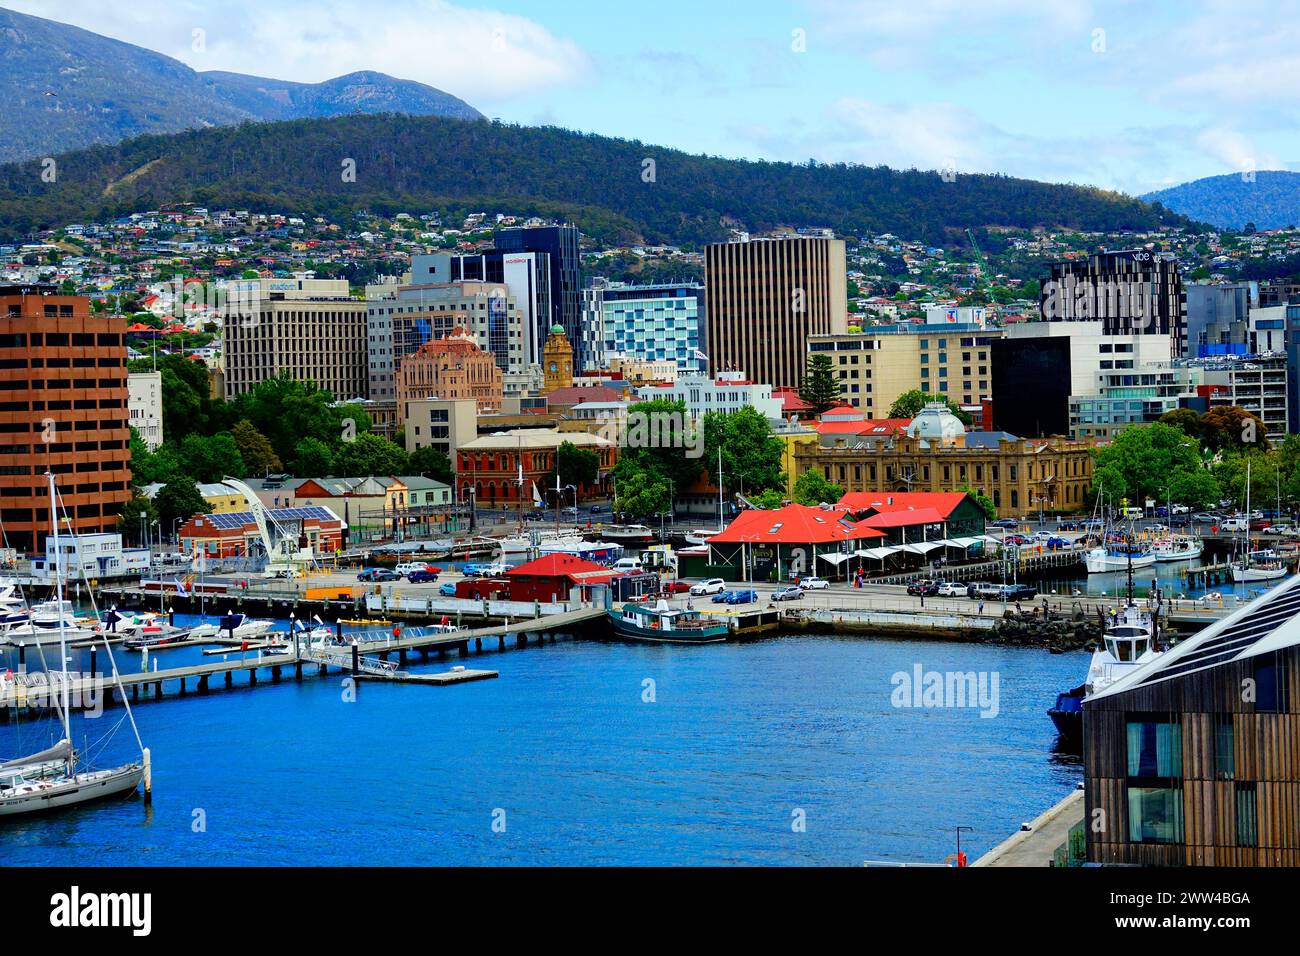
x: 739, y: 738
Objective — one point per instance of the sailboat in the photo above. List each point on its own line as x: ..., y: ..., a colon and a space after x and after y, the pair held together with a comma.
x: 1255, y: 565
x: 1117, y: 552
x: 50, y: 780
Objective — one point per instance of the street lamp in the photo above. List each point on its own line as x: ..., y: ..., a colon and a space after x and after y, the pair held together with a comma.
x: 175, y: 537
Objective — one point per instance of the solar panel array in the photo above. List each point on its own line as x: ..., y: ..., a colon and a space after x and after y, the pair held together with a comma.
x: 1262, y: 621
x: 241, y: 519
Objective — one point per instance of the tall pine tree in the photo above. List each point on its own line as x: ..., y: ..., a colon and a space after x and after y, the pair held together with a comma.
x: 819, y: 387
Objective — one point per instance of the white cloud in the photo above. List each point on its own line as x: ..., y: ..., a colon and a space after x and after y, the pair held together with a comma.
x: 474, y: 53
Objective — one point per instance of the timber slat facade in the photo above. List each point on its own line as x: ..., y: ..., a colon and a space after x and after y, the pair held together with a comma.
x: 1237, y: 785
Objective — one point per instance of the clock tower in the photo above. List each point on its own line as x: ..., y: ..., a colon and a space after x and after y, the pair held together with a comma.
x: 557, y: 361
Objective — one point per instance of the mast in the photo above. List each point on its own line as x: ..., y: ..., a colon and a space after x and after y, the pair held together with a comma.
x: 1248, y: 545
x: 58, y: 604
x: 720, y: 522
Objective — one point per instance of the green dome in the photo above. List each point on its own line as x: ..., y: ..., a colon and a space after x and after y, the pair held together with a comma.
x: 557, y: 329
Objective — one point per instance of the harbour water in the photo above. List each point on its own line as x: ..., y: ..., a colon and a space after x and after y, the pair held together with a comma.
x: 783, y: 751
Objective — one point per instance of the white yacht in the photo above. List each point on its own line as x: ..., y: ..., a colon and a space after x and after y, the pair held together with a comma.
x: 1128, y: 642
x: 51, y: 621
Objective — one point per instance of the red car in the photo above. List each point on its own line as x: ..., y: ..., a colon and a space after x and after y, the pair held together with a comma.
x: 675, y: 587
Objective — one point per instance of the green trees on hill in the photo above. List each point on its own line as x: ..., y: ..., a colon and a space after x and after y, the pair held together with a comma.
x: 407, y: 162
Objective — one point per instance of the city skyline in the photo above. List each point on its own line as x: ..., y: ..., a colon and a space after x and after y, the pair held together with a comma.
x: 1151, y: 102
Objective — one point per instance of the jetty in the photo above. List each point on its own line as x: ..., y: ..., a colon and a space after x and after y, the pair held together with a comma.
x: 363, y: 658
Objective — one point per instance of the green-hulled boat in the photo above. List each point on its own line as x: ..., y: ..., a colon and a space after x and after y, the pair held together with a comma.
x: 662, y: 624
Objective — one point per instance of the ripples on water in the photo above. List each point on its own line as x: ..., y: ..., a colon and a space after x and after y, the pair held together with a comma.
x: 739, y: 737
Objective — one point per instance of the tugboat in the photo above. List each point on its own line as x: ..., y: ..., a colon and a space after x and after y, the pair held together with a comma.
x: 662, y: 624
x: 1128, y: 643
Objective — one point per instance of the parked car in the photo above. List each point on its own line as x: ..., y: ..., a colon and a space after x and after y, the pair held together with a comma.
x: 1054, y: 543
x: 745, y: 596
x: 709, y: 586
x: 422, y: 576
x: 814, y: 584
x: 952, y: 589
x: 1016, y: 539
x: 406, y: 567
x: 927, y: 588
x: 674, y: 587
x: 721, y: 597
x: 1205, y: 517
x: 1017, y: 592
x: 379, y: 574
x: 1006, y: 523
x: 447, y: 590
x: 791, y: 593
x: 976, y: 589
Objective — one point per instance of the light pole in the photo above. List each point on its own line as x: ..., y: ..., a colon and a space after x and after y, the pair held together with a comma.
x: 175, y: 537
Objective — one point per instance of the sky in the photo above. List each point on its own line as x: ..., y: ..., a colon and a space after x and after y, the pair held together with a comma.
x: 1133, y: 96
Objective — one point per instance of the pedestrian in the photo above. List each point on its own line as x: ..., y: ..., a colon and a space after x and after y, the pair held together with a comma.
x: 1018, y: 610
x: 923, y: 596
x: 981, y: 605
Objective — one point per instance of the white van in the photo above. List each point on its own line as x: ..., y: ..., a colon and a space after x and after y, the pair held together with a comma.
x: 623, y: 565
x: 1234, y: 524
x: 1132, y: 514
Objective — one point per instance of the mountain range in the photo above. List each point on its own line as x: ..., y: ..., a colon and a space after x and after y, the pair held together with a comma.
x: 1270, y: 199
x: 64, y: 88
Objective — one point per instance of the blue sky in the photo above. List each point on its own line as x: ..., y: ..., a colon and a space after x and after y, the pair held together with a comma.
x: 1125, y: 95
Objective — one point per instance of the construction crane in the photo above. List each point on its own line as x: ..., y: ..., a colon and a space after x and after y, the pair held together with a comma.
x: 986, y: 271
x: 283, y: 558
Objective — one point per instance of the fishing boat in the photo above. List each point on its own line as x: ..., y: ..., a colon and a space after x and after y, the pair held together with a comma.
x: 662, y: 624
x: 1255, y: 565
x: 1128, y: 643
x: 29, y: 785
x: 1116, y: 555
x: 1177, y: 548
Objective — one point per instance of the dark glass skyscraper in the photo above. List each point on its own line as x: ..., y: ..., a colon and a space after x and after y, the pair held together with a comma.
x: 561, y: 244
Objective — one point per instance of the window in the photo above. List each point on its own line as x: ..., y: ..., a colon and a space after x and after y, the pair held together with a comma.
x: 1154, y: 764
x: 1224, y: 761
x: 1270, y: 685
x: 1155, y: 814
x: 1247, y: 815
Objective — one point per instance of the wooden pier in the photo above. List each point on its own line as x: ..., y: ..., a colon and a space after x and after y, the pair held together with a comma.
x: 92, y: 691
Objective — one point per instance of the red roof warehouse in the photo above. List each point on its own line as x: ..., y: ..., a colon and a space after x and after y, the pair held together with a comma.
x: 552, y: 577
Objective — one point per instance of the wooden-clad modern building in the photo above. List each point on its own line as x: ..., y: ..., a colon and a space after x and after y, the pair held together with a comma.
x: 1194, y: 759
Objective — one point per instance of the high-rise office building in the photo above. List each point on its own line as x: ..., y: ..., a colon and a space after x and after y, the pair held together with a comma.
x: 526, y: 276
x: 63, y: 409
x: 1038, y: 367
x: 311, y: 328
x: 403, y: 319
x: 874, y: 367
x: 560, y: 244
x: 766, y: 297
x: 650, y: 323
x: 1133, y: 292
x: 1218, y: 318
